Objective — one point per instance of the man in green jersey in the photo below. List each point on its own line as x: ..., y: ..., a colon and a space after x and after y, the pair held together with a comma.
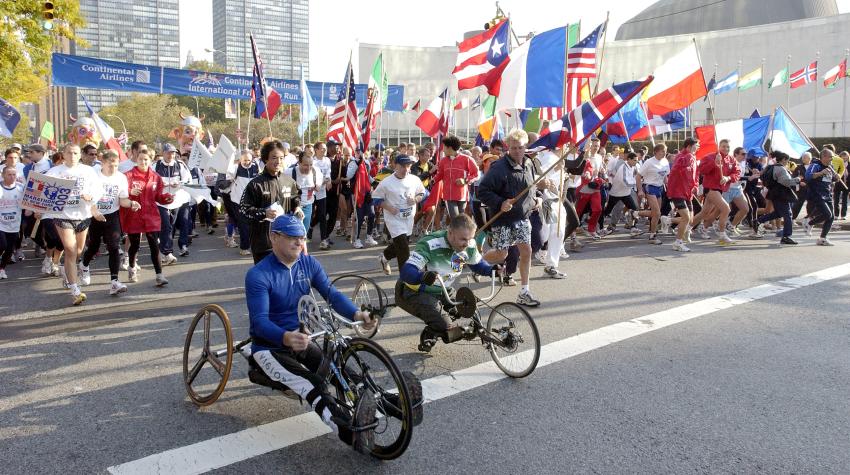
x: 442, y: 253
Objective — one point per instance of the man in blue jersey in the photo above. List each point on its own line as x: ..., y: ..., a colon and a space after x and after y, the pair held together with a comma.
x: 287, y: 355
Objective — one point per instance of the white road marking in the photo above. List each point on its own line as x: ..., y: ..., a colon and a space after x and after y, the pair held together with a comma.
x: 231, y: 448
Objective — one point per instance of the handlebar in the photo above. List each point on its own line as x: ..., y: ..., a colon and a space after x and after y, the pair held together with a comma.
x: 484, y: 299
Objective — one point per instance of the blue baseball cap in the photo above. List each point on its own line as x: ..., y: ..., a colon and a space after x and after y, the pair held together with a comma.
x: 289, y: 225
x: 168, y: 148
x: 404, y: 159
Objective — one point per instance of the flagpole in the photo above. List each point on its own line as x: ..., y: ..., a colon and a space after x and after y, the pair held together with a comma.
x: 788, y: 81
x: 710, y: 102
x: 248, y: 132
x: 815, y: 127
x: 844, y: 108
x: 761, y: 87
x: 740, y: 65
x: 319, y: 115
x: 601, y: 55
x: 468, y: 112
x: 713, y: 91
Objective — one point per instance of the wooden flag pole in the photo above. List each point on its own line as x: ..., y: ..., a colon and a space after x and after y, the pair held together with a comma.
x: 710, y: 102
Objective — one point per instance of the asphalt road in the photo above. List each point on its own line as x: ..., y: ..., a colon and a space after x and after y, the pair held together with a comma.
x: 760, y: 386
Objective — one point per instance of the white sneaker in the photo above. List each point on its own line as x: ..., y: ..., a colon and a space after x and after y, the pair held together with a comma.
x: 595, y: 236
x: 635, y: 232
x: 665, y: 224
x: 324, y: 245
x: 133, y: 274
x: 161, y: 280
x: 77, y: 295
x: 385, y: 265
x: 184, y: 251
x: 244, y: 252
x: 3, y: 274
x: 19, y: 255
x: 703, y: 233
x: 688, y: 233
x: 807, y: 226
x: 358, y: 244
x: 125, y: 262
x: 168, y: 259
x: 116, y: 288
x: 725, y: 240
x: 370, y: 241
x: 84, y: 274
x: 54, y: 270
x: 824, y: 242
x: 564, y: 254
x: 680, y: 246
x: 46, y: 266
x: 540, y: 257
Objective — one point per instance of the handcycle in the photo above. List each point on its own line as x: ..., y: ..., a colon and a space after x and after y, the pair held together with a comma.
x: 351, y: 365
x: 509, y: 334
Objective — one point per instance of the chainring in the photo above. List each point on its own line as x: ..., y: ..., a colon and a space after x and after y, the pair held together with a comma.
x: 309, y: 314
x: 467, y: 302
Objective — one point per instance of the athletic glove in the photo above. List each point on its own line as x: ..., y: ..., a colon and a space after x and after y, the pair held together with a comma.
x: 429, y: 278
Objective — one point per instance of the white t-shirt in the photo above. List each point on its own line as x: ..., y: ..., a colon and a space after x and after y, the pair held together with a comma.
x: 19, y: 169
x: 622, y: 179
x: 307, y: 183
x: 87, y: 184
x: 653, y: 171
x: 10, y: 208
x: 114, y: 187
x: 324, y: 164
x: 547, y: 159
x: 396, y: 191
x: 41, y: 166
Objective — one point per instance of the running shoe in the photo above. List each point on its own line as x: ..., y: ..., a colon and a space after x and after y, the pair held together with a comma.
x: 385, y: 265
x: 161, y: 281
x: 653, y: 239
x: 54, y: 269
x: 46, y: 266
x: 358, y: 244
x: 370, y: 241
x: 168, y: 259
x: 563, y: 254
x: 3, y: 274
x: 788, y: 241
x: 554, y: 273
x: 184, y: 251
x: 703, y: 232
x: 635, y: 232
x: 576, y: 244
x: 244, y: 252
x: 680, y: 246
x: 807, y: 226
x: 84, y: 275
x: 19, y: 255
x: 540, y: 258
x: 210, y: 230
x: 508, y: 281
x: 595, y: 236
x: 125, y: 262
x: 324, y: 245
x: 526, y: 299
x: 725, y: 240
x: 133, y: 274
x: 824, y: 242
x: 607, y: 231
x: 77, y: 295
x: 116, y: 287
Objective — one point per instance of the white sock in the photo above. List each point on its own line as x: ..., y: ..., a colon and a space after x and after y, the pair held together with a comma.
x: 525, y: 289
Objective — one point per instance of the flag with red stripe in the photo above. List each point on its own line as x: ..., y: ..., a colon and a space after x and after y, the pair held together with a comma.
x: 807, y: 75
x: 344, y: 127
x: 481, y: 59
x: 581, y: 57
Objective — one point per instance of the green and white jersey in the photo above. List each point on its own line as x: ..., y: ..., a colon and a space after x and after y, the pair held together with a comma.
x: 434, y: 253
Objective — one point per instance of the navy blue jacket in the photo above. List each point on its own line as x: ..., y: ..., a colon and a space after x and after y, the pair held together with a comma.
x: 505, y: 180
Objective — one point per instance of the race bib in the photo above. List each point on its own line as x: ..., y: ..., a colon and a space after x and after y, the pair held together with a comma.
x: 405, y: 213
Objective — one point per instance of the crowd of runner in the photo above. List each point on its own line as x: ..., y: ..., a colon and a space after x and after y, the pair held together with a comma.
x: 533, y: 206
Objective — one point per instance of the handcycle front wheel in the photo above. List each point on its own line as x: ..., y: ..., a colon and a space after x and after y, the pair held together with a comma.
x: 366, y: 365
x: 516, y: 343
x: 205, y: 373
x: 365, y: 293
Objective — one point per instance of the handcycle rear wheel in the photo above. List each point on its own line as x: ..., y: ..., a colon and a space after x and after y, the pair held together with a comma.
x: 517, y: 349
x: 365, y: 293
x: 204, y: 387
x: 365, y: 364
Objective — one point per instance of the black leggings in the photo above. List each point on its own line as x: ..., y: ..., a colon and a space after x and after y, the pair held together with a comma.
x: 7, y: 247
x: 109, y: 232
x: 153, y: 244
x: 320, y: 217
x: 399, y: 249
x: 628, y: 201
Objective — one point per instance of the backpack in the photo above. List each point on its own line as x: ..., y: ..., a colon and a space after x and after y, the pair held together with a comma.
x: 767, y: 178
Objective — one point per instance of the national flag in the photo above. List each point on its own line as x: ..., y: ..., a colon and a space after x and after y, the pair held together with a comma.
x: 405, y: 106
x: 750, y: 80
x: 9, y: 118
x: 106, y: 132
x: 833, y: 75
x: 661, y: 124
x: 627, y: 122
x: 463, y: 104
x: 710, y: 87
x: 534, y: 77
x: 47, y: 132
x: 344, y: 127
x: 727, y: 84
x: 266, y: 99
x: 416, y: 106
x: 431, y: 120
x: 786, y: 136
x: 378, y: 81
x: 476, y: 103
x: 434, y: 197
x: 578, y: 92
x: 482, y: 58
x: 369, y: 124
x: 778, y: 80
x: 747, y: 133
x: 550, y: 113
x: 583, y: 121
x: 807, y: 75
x: 678, y: 82
x: 309, y: 110
x: 488, y: 123
x: 581, y: 57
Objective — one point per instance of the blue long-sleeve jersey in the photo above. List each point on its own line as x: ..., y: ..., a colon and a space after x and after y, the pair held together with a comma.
x: 272, y: 291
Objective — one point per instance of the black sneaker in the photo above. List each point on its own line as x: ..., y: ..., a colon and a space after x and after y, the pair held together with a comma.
x: 787, y: 240
x: 362, y: 425
x: 508, y: 281
x: 427, y: 340
x: 554, y: 273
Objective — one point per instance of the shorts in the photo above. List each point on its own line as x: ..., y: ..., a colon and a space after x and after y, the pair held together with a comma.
x: 503, y: 237
x: 78, y: 225
x: 653, y: 190
x: 733, y: 193
x: 681, y: 203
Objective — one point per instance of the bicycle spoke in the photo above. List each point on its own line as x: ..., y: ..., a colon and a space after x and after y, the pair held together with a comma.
x: 207, y: 332
x: 216, y: 363
x: 196, y: 369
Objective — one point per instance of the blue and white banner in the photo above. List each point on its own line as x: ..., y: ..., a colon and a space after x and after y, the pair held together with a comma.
x: 80, y: 71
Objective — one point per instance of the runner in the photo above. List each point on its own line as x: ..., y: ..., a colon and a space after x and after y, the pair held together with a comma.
x: 146, y: 188
x: 72, y: 222
x: 651, y: 178
x: 398, y: 195
x: 241, y: 173
x: 819, y: 178
x: 734, y: 195
x: 456, y: 171
x: 680, y: 189
x: 718, y: 173
x: 107, y: 226
x: 174, y: 216
x: 11, y: 194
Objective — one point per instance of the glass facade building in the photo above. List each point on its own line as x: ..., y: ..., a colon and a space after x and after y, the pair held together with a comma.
x: 135, y: 31
x: 280, y: 28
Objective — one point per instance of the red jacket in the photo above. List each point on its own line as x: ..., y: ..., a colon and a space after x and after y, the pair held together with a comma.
x: 449, y: 170
x: 683, y: 176
x: 711, y: 174
x: 145, y: 220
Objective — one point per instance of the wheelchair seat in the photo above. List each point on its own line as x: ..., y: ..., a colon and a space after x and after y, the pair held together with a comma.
x: 257, y: 376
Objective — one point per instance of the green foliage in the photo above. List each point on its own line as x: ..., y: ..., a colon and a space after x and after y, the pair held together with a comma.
x: 148, y: 117
x: 25, y: 46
